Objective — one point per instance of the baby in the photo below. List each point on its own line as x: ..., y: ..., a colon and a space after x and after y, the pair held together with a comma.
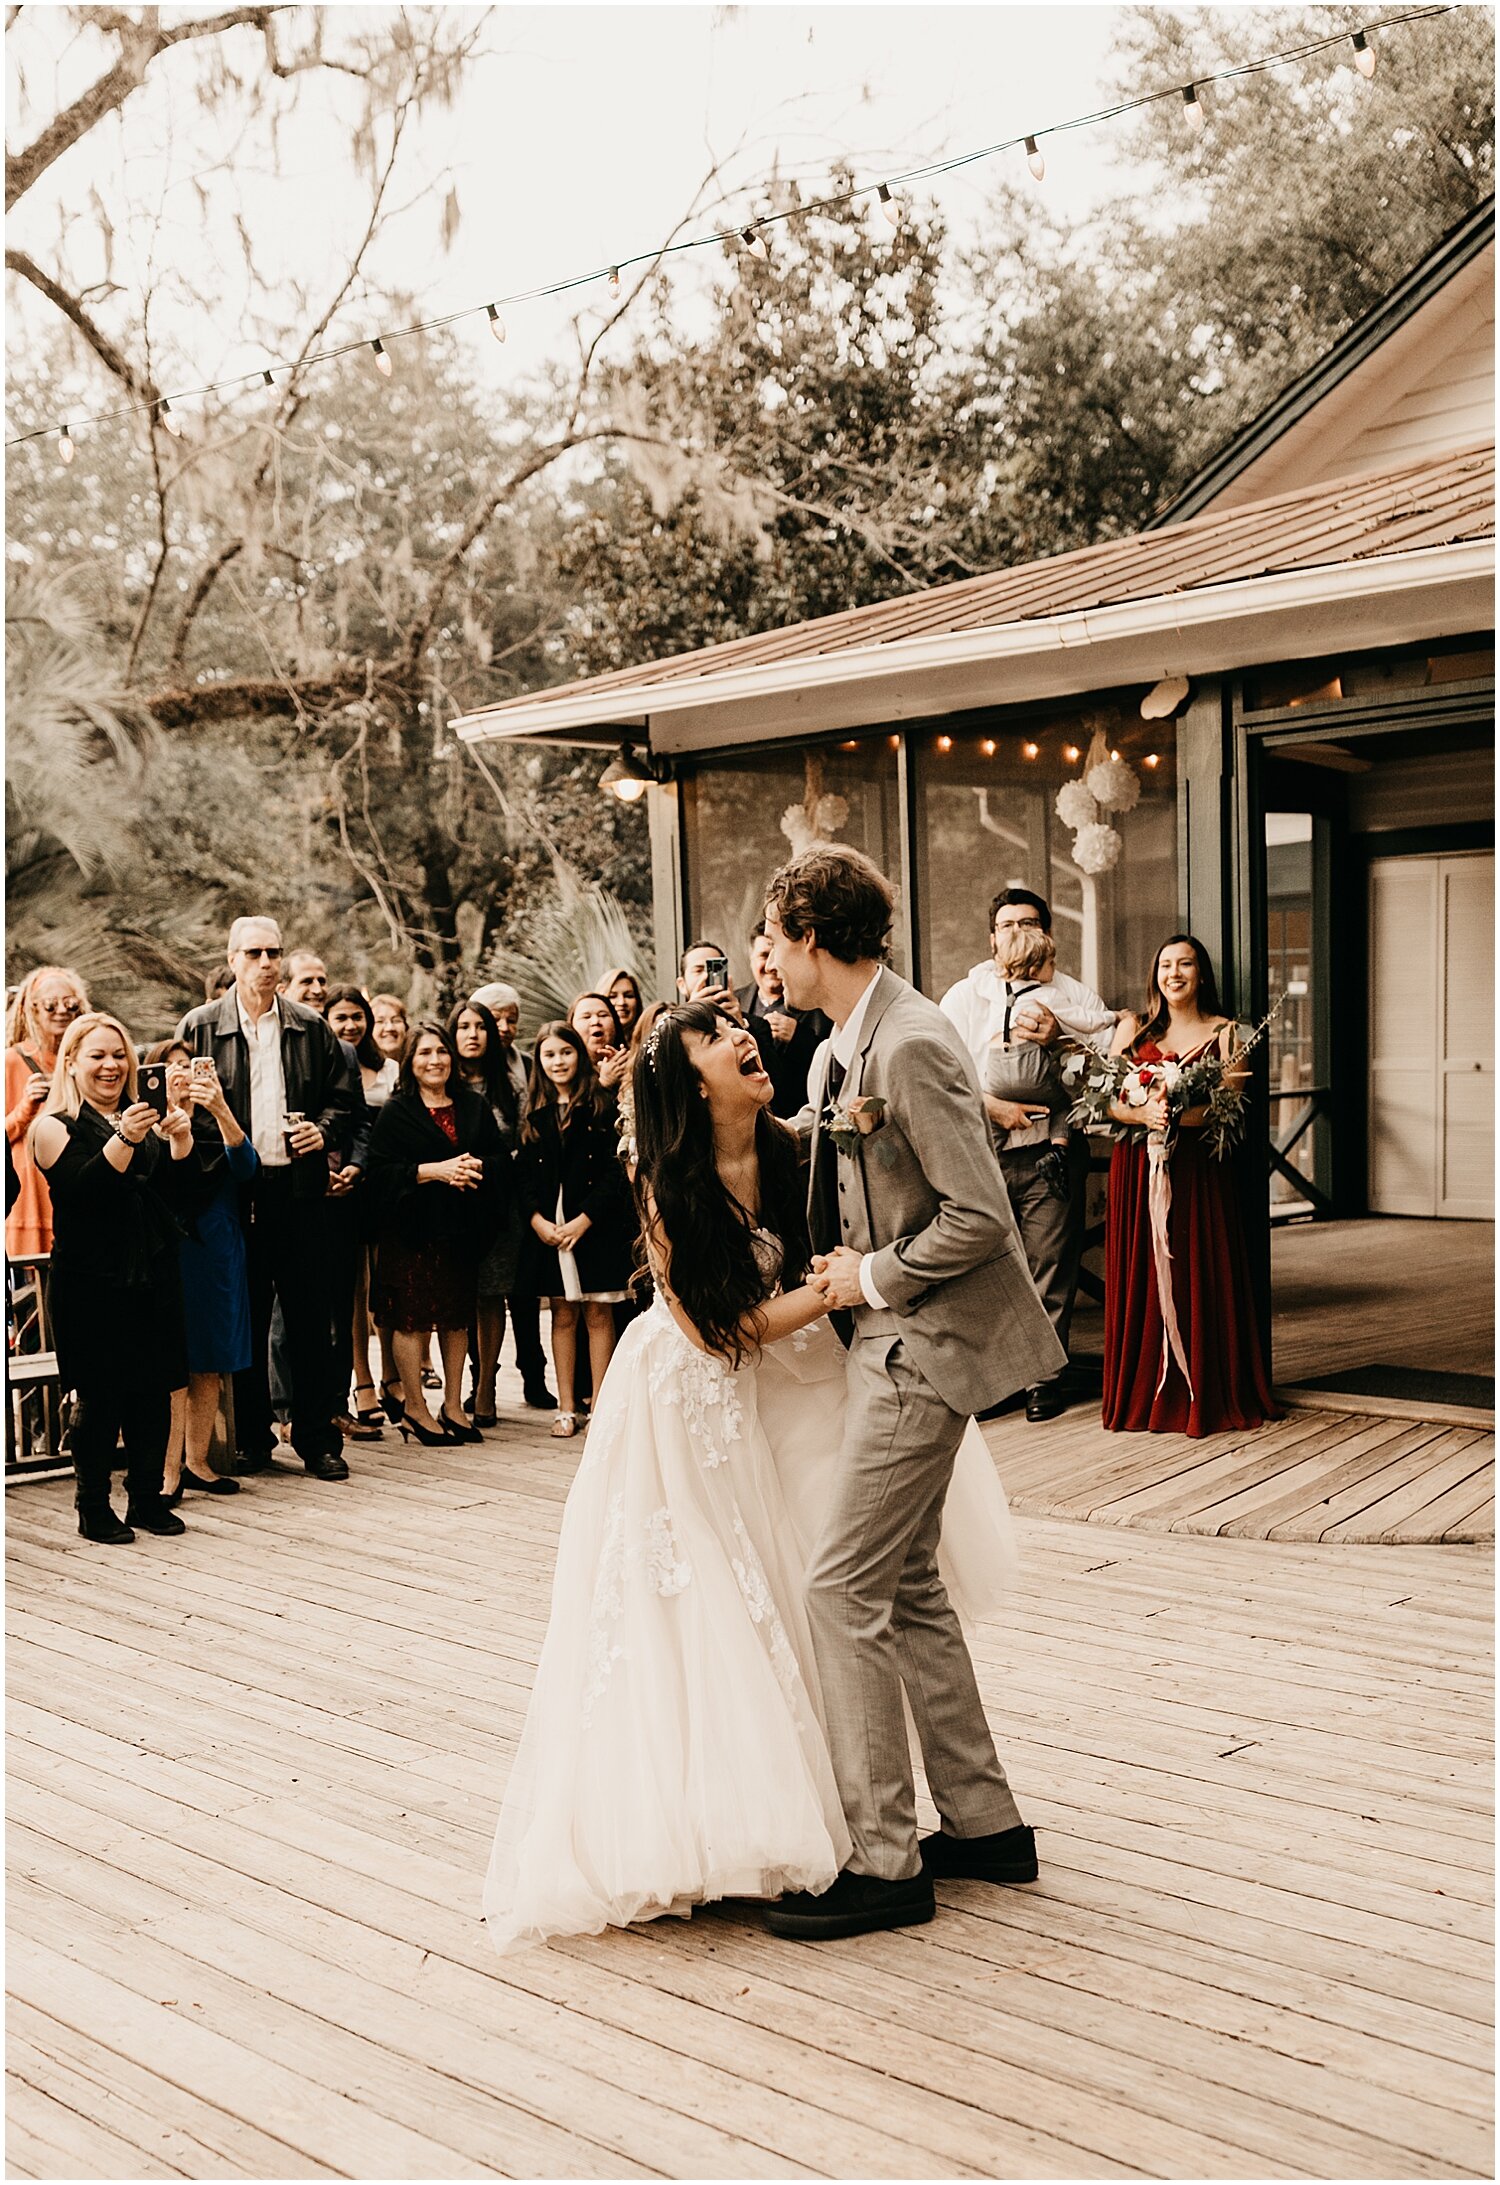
x: 1022, y: 1071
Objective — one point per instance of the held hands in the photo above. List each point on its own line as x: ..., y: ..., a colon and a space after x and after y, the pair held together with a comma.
x: 342, y: 1181
x: 835, y: 1276
x: 566, y: 1234
x: 465, y: 1172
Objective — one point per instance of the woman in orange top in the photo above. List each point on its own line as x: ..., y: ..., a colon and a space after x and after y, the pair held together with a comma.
x: 45, y: 1005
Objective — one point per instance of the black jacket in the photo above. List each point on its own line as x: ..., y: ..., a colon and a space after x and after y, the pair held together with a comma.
x: 320, y: 1084
x: 583, y: 1162
x: 404, y: 1137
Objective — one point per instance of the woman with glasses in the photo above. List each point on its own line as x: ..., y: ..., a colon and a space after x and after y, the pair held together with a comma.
x: 45, y: 1005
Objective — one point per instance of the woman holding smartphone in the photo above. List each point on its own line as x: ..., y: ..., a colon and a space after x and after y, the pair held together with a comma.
x: 215, y: 1287
x: 118, y: 1173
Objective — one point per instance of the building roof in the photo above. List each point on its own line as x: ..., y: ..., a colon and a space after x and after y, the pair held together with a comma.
x: 1428, y: 285
x: 1284, y: 577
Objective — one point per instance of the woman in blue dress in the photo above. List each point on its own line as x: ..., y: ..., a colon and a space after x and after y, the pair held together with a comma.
x: 215, y: 1291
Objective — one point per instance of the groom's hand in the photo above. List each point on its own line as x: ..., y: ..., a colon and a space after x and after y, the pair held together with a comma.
x: 837, y: 1278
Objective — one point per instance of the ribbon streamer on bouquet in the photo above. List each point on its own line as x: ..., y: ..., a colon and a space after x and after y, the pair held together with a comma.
x: 1159, y: 1207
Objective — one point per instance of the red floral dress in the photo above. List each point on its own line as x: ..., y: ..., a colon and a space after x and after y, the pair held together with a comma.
x: 1211, y: 1289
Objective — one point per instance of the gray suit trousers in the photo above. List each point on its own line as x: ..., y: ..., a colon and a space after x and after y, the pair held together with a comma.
x: 881, y: 1620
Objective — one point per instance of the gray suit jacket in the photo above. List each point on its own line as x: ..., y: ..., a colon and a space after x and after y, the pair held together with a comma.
x: 925, y: 1196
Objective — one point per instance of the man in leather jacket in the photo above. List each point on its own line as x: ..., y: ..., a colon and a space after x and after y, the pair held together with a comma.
x: 277, y: 1059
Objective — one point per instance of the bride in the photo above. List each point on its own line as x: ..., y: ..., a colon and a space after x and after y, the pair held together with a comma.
x: 674, y: 1751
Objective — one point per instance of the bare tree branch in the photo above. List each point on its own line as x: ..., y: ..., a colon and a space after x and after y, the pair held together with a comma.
x: 142, y: 39
x: 139, y: 385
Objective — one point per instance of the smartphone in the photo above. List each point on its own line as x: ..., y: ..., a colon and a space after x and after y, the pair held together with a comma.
x: 151, y: 1081
x: 715, y: 971
x: 203, y: 1071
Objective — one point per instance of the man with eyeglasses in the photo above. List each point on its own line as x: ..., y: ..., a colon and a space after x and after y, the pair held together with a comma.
x: 278, y: 1061
x: 1016, y: 1005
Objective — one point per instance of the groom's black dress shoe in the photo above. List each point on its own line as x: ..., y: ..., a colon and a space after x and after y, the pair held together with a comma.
x: 1046, y: 1401
x: 1007, y: 1856
x: 856, y: 1904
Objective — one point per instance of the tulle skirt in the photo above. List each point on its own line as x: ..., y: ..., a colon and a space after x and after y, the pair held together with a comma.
x: 674, y: 1748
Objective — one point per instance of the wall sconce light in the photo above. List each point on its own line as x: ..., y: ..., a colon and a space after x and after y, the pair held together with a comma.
x: 945, y: 743
x: 1030, y: 751
x: 626, y: 777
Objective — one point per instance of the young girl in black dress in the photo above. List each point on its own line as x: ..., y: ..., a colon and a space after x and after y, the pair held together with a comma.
x: 580, y: 1234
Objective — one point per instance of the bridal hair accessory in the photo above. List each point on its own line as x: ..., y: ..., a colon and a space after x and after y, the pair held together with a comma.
x: 654, y: 1039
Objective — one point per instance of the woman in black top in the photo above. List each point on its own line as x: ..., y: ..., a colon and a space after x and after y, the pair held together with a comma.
x: 116, y: 1173
x: 580, y: 1241
x: 485, y: 1064
x: 439, y: 1187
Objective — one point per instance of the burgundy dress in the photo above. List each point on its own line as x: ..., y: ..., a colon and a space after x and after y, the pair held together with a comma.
x: 1211, y: 1289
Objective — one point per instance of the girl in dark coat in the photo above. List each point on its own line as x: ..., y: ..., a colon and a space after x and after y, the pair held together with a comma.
x: 580, y: 1240
x: 439, y: 1189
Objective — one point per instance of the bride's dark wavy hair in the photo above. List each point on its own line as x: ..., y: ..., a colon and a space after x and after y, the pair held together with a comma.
x: 707, y: 1233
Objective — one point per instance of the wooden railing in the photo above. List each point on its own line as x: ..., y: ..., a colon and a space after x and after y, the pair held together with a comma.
x: 1314, y: 1099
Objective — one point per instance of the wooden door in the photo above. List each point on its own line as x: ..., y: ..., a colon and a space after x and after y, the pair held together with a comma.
x: 1466, y: 1136
x: 1432, y: 1036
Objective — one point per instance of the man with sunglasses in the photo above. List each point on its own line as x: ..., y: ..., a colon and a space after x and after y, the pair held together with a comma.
x: 277, y: 1060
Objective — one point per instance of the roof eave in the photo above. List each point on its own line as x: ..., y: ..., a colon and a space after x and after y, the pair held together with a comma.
x: 1442, y: 591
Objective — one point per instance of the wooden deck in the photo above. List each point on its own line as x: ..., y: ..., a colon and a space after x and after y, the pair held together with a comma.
x: 254, y: 1773
x: 1312, y: 1475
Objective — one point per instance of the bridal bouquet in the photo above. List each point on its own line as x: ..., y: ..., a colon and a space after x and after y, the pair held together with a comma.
x: 1202, y: 1082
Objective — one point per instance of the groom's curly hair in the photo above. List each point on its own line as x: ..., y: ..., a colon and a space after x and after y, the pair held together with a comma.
x: 837, y: 894
x: 692, y: 1225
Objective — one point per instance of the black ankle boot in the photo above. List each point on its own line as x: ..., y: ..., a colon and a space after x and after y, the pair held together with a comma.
x: 97, y: 1521
x: 155, y: 1517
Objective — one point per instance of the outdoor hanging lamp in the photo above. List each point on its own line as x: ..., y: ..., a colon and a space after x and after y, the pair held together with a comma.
x: 1364, y: 55
x: 382, y: 361
x: 65, y: 449
x: 497, y: 324
x: 626, y: 777
x: 888, y: 204
x: 1192, y: 107
x: 1034, y: 159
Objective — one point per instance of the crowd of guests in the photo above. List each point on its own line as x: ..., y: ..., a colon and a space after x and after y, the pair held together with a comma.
x: 340, y: 1211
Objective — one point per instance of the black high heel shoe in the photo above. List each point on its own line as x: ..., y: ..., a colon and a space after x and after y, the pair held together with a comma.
x: 394, y: 1408
x: 463, y: 1432
x: 407, y: 1425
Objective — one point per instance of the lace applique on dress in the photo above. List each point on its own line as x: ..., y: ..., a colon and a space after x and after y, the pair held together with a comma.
x: 703, y: 1387
x: 668, y: 1569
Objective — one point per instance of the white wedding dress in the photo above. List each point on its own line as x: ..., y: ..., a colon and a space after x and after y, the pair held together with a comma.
x: 673, y: 1751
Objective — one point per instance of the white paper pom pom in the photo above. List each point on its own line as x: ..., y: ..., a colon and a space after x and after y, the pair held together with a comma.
x: 1096, y: 849
x: 1075, y: 807
x: 797, y: 828
x: 1114, y: 784
x: 832, y: 812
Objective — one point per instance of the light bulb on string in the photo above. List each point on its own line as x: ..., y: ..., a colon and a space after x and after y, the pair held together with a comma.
x: 888, y: 204
x: 614, y: 280
x: 1034, y: 159
x: 65, y: 448
x: 1192, y: 108
x: 497, y: 324
x: 755, y: 243
x: 268, y: 377
x: 165, y: 417
x: 382, y: 360
x: 1364, y: 55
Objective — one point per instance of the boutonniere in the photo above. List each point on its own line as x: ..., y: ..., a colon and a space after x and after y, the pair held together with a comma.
x: 860, y: 1119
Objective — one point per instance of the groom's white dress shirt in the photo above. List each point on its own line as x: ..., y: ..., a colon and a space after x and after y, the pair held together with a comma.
x: 843, y: 1047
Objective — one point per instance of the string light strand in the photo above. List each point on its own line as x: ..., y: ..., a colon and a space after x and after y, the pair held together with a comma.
x: 751, y: 237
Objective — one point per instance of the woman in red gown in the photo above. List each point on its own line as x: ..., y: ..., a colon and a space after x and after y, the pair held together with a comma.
x: 1227, y: 1382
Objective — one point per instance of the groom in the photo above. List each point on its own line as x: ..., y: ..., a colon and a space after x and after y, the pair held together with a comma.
x: 915, y: 1239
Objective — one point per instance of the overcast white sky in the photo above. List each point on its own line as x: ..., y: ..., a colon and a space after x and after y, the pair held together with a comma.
x: 580, y: 137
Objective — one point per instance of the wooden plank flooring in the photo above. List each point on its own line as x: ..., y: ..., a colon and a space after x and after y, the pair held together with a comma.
x: 1313, y: 1475
x: 254, y: 1771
